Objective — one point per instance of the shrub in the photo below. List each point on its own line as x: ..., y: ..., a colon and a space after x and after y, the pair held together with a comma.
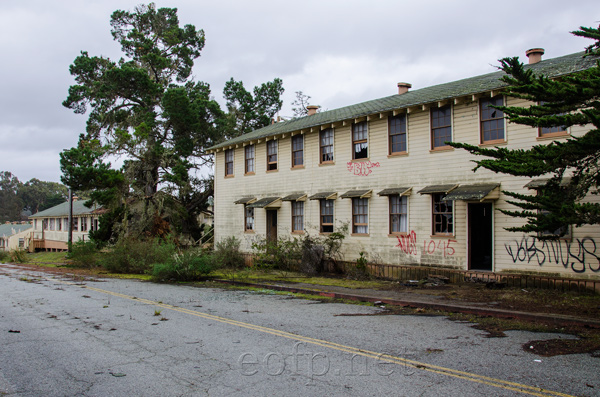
x: 359, y: 270
x: 137, y: 256
x: 84, y: 254
x: 228, y: 255
x: 18, y: 256
x: 189, y: 265
x: 3, y: 256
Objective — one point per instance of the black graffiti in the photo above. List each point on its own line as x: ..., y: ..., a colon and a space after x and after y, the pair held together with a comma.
x: 570, y: 254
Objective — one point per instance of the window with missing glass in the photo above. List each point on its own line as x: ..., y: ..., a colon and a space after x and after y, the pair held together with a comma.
x: 398, y: 214
x: 360, y: 141
x: 360, y: 215
x: 397, y: 134
x: 297, y: 150
x: 326, y: 209
x: 249, y: 159
x: 326, y: 145
x: 228, y: 162
x: 492, y: 120
x: 442, y: 215
x: 271, y: 155
x: 441, y: 126
x: 297, y: 216
x: 248, y: 219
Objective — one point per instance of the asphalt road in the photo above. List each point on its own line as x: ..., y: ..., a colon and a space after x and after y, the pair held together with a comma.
x: 60, y: 337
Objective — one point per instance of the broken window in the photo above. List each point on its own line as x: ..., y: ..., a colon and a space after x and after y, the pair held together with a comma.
x: 360, y: 142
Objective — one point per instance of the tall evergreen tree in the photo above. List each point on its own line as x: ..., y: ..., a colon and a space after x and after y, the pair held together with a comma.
x: 572, y: 166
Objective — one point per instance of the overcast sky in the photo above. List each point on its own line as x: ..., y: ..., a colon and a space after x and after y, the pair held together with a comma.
x: 338, y: 52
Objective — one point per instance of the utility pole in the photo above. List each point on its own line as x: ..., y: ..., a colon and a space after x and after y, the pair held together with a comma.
x: 70, y: 239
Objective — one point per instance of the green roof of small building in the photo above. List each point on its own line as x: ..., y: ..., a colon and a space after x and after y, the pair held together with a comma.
x: 473, y: 85
x: 8, y: 229
x: 63, y: 210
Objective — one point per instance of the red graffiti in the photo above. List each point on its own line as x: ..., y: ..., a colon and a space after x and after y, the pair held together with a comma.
x: 362, y: 168
x: 441, y: 245
x: 408, y: 243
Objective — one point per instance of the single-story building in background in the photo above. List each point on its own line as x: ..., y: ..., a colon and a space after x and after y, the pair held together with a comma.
x: 382, y: 167
x: 51, y: 226
x: 14, y: 236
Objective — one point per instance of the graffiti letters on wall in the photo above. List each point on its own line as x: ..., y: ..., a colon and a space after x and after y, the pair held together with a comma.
x: 408, y: 244
x: 362, y: 168
x: 579, y: 255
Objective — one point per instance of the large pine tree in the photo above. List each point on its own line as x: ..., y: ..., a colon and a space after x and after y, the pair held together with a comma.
x: 572, y: 166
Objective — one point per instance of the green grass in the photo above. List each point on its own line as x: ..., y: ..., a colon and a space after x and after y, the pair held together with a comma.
x: 251, y: 275
x: 49, y: 259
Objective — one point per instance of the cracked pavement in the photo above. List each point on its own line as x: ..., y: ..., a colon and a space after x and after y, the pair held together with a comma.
x: 125, y: 337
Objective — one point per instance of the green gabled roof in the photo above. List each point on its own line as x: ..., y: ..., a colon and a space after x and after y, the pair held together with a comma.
x: 8, y: 229
x: 473, y: 85
x: 63, y: 210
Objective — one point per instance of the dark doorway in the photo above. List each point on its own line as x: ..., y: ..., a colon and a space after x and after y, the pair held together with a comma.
x: 480, y: 236
x: 272, y: 225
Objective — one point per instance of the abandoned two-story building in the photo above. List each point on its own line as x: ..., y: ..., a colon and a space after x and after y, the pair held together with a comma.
x: 382, y: 167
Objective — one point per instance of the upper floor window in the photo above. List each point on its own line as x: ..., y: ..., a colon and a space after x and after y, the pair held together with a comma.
x: 249, y: 159
x: 248, y: 219
x: 360, y: 215
x: 397, y: 134
x: 271, y: 155
x: 398, y: 214
x: 297, y: 216
x: 492, y: 120
x: 326, y: 215
x: 228, y: 162
x: 442, y: 215
x: 441, y: 126
x: 297, y: 150
x: 360, y: 144
x: 326, y: 145
x: 552, y: 131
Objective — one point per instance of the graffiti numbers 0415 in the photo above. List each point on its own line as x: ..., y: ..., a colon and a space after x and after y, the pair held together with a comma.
x: 574, y: 254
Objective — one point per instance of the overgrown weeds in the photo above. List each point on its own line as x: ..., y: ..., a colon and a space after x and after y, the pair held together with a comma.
x: 189, y: 265
x: 84, y: 254
x: 3, y: 256
x: 137, y: 256
x: 18, y: 256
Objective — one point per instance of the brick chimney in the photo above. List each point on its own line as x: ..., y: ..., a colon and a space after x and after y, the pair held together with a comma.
x: 312, y: 109
x: 534, y: 55
x: 403, y: 88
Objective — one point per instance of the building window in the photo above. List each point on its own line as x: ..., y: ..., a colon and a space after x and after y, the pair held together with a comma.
x: 249, y: 159
x: 297, y: 216
x: 360, y: 144
x: 51, y: 226
x: 397, y: 132
x: 297, y: 150
x: 360, y: 216
x: 58, y: 224
x: 492, y: 120
x: 229, y: 162
x: 326, y: 143
x: 248, y: 219
x: 66, y: 224
x: 84, y: 225
x: 398, y: 214
x: 21, y: 243
x: 35, y: 224
x: 326, y: 216
x: 95, y: 223
x: 75, y: 224
x: 271, y: 155
x: 443, y: 222
x: 552, y: 131
x: 441, y: 126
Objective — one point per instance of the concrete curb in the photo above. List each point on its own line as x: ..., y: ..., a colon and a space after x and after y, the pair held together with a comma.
x: 552, y: 319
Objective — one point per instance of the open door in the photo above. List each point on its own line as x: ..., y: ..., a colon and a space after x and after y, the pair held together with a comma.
x: 272, y: 225
x: 481, y: 236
